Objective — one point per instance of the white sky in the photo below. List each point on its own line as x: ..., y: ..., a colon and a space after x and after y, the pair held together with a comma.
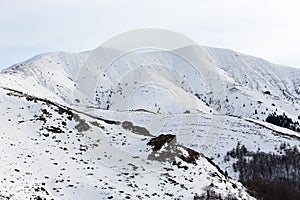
x: 265, y: 28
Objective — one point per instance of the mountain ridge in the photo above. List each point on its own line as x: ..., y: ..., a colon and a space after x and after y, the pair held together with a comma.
x: 50, y: 117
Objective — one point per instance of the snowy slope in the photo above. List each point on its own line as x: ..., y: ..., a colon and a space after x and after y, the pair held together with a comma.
x: 51, y: 151
x: 76, y: 132
x: 257, y: 85
x: 48, y: 75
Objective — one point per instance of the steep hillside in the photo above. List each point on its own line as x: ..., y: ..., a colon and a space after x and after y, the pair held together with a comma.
x: 51, y: 151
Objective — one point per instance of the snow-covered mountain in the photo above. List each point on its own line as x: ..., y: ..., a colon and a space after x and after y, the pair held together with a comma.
x: 148, y: 125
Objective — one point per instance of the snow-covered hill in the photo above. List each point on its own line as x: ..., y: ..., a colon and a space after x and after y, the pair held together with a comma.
x: 145, y: 126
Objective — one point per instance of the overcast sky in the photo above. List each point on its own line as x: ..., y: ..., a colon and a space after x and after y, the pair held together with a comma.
x: 265, y: 28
